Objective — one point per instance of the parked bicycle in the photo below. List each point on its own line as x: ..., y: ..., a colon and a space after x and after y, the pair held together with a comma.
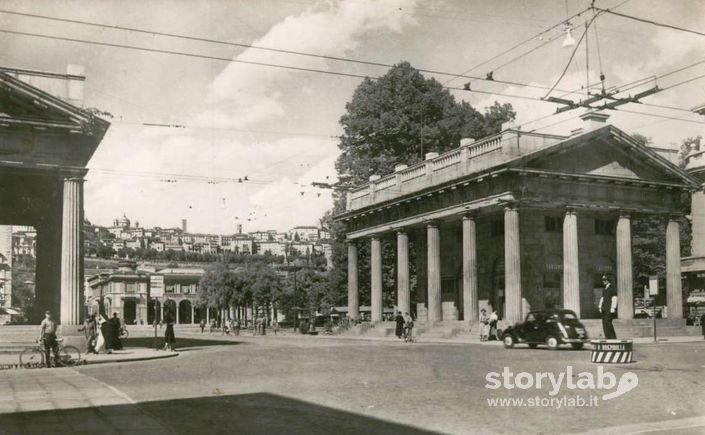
x: 33, y: 357
x: 124, y: 332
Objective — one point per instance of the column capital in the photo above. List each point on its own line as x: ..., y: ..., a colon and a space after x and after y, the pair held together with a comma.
x: 510, y: 205
x: 431, y: 224
x: 674, y: 216
x: 74, y: 178
x: 571, y: 209
x: 402, y: 232
x: 469, y: 215
x: 626, y: 213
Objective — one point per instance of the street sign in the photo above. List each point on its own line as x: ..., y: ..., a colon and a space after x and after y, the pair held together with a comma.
x: 653, y: 285
x: 156, y: 285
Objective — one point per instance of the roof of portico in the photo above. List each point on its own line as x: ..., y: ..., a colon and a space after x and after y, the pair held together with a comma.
x: 605, y: 154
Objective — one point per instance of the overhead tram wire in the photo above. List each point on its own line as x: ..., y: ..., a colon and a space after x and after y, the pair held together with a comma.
x: 654, y: 23
x: 242, y: 45
x: 209, y: 57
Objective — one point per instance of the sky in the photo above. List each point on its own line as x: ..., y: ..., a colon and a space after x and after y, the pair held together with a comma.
x: 277, y: 128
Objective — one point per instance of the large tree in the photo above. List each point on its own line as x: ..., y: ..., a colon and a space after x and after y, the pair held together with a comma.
x: 392, y: 120
x: 399, y: 117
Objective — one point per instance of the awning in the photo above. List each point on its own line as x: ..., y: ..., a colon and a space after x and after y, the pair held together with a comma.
x: 11, y: 311
x: 696, y: 298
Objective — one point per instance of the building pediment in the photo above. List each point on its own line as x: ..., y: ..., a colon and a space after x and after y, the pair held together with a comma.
x: 606, y: 152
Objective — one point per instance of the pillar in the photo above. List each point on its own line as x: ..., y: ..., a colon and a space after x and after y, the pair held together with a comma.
x: 433, y: 240
x: 161, y: 312
x: 571, y: 269
x: 470, y: 295
x: 376, y: 277
x: 71, y: 252
x: 512, y: 265
x: 193, y: 317
x: 208, y: 315
x: 353, y: 299
x: 177, y: 313
x: 403, y: 303
x: 625, y: 298
x: 674, y: 295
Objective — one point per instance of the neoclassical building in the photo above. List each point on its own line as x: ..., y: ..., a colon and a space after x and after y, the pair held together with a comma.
x: 516, y: 221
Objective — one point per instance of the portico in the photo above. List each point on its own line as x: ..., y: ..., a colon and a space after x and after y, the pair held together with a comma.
x: 518, y: 220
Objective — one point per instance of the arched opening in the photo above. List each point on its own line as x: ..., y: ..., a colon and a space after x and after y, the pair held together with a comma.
x: 154, y: 308
x: 130, y: 312
x: 185, y: 311
x: 169, y: 309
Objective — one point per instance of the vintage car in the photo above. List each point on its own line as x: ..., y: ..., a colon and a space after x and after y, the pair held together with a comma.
x: 551, y: 327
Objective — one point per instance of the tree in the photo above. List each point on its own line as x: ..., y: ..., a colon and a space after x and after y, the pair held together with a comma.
x: 402, y: 115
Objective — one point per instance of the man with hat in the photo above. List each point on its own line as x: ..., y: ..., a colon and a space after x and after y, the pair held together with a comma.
x: 608, y: 308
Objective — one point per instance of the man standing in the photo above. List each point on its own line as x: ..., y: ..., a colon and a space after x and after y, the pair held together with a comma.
x: 608, y: 308
x: 399, y: 319
x: 47, y: 334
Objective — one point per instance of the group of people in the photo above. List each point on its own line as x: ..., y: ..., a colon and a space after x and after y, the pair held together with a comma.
x: 404, y: 326
x: 102, y: 335
x: 488, y: 326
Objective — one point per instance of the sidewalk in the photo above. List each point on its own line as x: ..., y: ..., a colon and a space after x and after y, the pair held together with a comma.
x: 11, y: 361
x: 31, y: 398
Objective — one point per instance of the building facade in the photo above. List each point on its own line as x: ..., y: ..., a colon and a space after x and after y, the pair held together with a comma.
x: 516, y: 221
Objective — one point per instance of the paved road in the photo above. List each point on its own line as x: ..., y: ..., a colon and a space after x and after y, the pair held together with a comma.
x: 309, y: 386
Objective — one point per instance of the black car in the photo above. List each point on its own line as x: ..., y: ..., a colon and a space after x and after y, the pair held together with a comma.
x: 551, y: 327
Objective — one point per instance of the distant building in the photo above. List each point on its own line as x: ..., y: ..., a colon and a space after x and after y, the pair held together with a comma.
x: 302, y: 233
x: 24, y: 242
x: 5, y: 270
x: 271, y: 247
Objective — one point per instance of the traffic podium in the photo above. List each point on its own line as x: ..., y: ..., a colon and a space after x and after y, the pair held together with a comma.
x: 611, y: 351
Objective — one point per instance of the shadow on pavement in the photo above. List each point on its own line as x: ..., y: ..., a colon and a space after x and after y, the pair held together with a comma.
x: 181, y: 343
x: 259, y: 413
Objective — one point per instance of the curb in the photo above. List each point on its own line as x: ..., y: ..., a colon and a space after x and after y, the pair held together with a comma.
x: 84, y: 362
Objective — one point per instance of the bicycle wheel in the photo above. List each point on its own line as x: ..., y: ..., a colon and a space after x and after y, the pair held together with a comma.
x: 69, y: 356
x: 124, y: 333
x: 31, y: 357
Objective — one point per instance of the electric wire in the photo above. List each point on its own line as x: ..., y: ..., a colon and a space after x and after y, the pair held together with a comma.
x: 655, y: 23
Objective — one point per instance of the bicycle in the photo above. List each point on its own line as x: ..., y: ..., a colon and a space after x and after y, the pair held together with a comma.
x: 31, y: 357
x: 124, y: 332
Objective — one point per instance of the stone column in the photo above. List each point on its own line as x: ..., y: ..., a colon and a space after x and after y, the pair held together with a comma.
x: 193, y: 317
x: 208, y: 315
x: 674, y: 295
x: 470, y: 313
x: 512, y: 265
x: 177, y: 313
x: 353, y: 299
x: 403, y: 303
x: 376, y: 277
x: 161, y: 312
x: 435, y: 307
x: 71, y: 249
x: 625, y: 298
x: 571, y: 269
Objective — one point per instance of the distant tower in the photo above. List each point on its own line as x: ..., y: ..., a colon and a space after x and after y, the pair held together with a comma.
x: 239, y: 228
x: 184, y: 225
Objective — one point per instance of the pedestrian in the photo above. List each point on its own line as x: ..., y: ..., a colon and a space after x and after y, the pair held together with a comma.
x: 399, y: 319
x: 484, y: 325
x: 47, y: 335
x: 107, y: 330
x: 275, y: 326
x: 493, y: 321
x: 608, y: 308
x: 169, y: 337
x: 408, y: 327
x: 90, y: 330
x: 202, y: 324
x: 702, y: 324
x: 236, y: 327
x: 117, y: 327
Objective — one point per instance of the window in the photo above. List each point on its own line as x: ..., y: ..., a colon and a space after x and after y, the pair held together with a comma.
x: 553, y: 224
x: 497, y: 228
x: 604, y: 227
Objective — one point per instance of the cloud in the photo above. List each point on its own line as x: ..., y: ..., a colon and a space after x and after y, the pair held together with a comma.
x: 244, y: 94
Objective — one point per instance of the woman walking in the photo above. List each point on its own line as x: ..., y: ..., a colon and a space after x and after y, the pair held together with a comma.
x: 169, y: 338
x: 484, y: 325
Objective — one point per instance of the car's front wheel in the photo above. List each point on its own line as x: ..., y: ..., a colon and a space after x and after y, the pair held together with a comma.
x: 508, y: 341
x: 552, y: 342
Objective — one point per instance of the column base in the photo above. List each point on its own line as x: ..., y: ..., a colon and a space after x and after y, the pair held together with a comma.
x: 73, y: 337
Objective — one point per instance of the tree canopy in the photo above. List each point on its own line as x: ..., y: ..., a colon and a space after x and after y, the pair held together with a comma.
x: 402, y: 115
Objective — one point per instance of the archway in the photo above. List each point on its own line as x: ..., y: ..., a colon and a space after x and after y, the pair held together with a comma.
x: 130, y: 312
x: 169, y: 309
x: 185, y: 311
x: 154, y: 308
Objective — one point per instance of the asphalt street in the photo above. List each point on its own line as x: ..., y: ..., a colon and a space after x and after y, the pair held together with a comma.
x: 314, y: 385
